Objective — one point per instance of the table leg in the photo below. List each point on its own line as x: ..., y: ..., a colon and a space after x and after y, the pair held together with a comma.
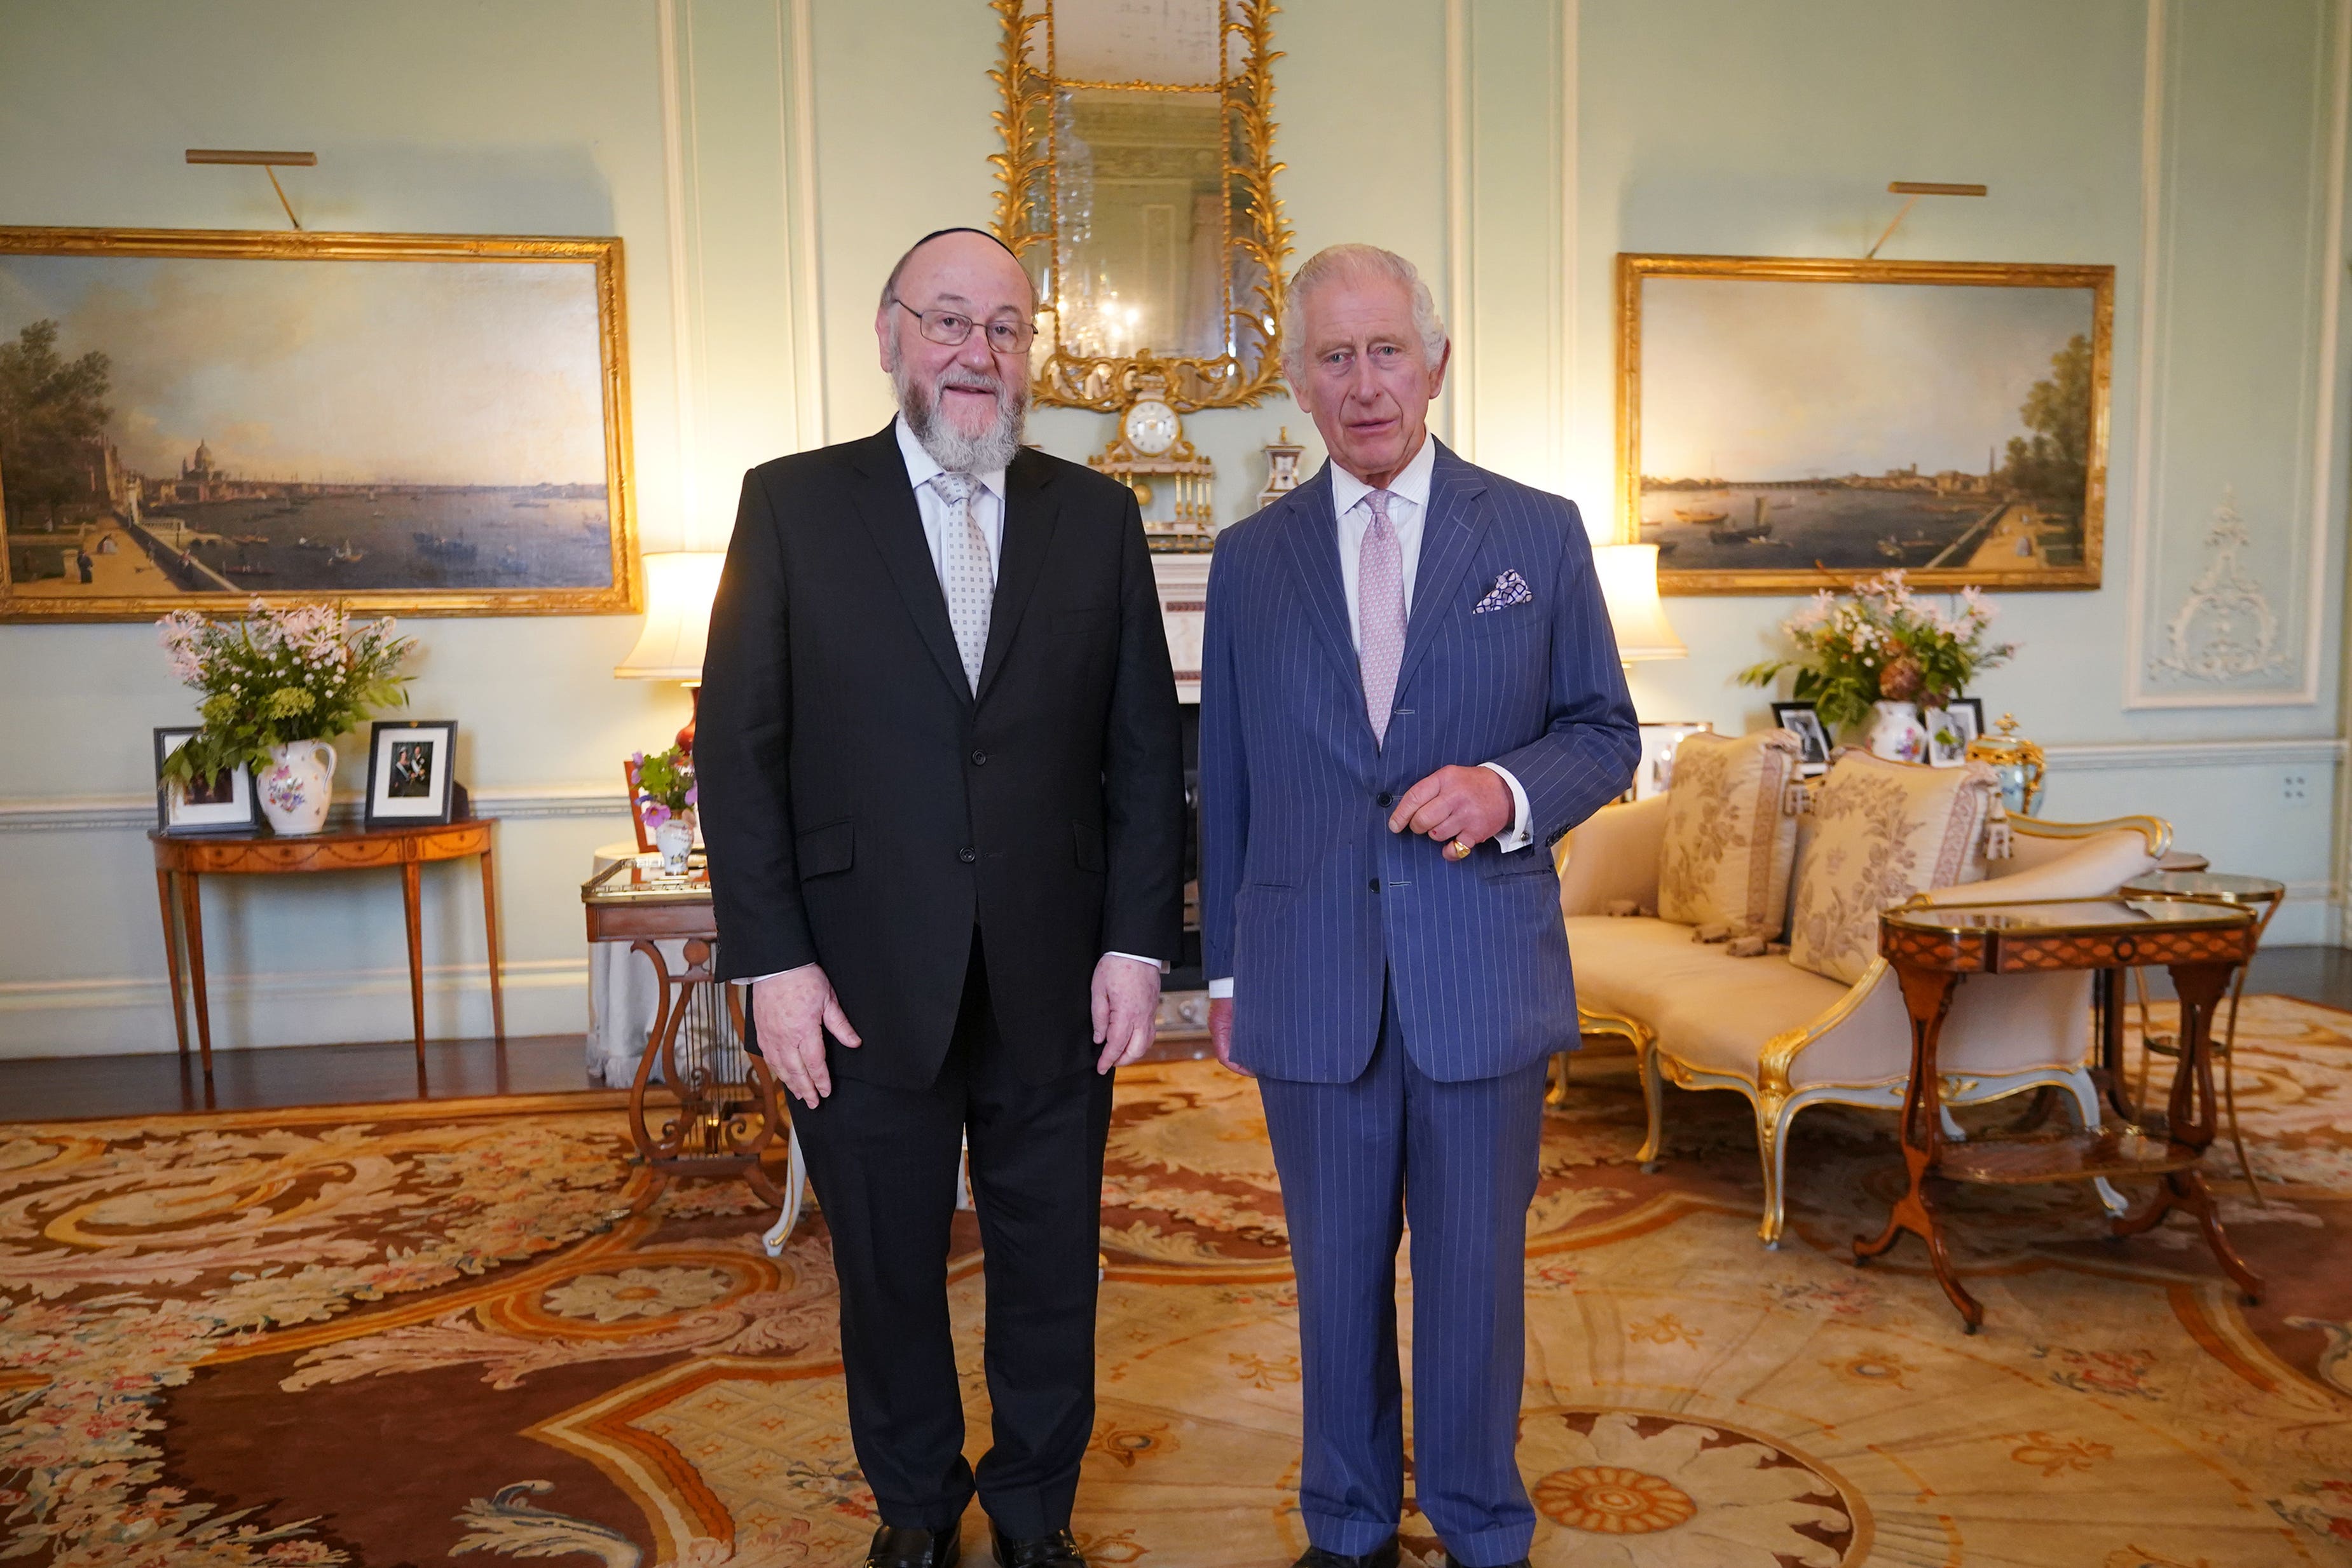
x: 172, y: 956
x: 412, y: 897
x: 2189, y: 1118
x: 490, y: 930
x: 2107, y: 1010
x: 1927, y: 994
x: 191, y: 921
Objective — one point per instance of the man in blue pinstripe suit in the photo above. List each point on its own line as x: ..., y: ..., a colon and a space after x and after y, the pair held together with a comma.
x: 1409, y: 691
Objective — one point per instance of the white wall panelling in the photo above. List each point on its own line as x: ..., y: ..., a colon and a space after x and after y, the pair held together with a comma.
x: 2235, y: 498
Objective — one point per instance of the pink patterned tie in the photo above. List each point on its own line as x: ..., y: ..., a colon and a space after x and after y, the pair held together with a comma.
x: 1380, y: 614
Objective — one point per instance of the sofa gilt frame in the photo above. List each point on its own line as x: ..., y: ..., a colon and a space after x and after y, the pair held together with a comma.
x: 1775, y: 1101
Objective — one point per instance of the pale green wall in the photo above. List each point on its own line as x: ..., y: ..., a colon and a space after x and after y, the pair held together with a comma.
x: 1510, y: 146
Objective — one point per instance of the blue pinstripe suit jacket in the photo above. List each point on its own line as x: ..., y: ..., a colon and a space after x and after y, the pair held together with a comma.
x: 1307, y: 899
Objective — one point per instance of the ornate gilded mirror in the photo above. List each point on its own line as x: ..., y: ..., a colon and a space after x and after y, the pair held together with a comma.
x: 1137, y: 187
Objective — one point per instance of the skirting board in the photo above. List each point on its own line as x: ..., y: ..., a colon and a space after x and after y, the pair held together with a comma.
x: 132, y: 1016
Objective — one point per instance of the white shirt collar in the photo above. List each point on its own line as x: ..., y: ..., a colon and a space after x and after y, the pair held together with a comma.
x: 1411, y: 483
x: 922, y: 467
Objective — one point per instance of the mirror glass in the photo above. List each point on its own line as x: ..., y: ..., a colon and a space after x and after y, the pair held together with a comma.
x: 1138, y: 190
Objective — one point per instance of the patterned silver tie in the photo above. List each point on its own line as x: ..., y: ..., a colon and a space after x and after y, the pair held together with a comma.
x: 967, y: 573
x: 1380, y: 614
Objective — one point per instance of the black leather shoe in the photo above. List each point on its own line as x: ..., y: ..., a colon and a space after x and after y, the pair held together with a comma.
x: 1059, y: 1549
x: 1382, y: 1556
x: 1448, y: 1561
x: 896, y: 1546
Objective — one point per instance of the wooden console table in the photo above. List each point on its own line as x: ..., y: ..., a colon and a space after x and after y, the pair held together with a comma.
x: 181, y: 862
x: 1933, y: 946
x: 729, y: 1112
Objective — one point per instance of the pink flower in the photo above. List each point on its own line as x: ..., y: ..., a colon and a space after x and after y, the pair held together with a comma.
x: 656, y: 813
x: 694, y: 794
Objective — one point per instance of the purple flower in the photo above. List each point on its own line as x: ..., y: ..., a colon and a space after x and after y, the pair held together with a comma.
x: 694, y: 795
x: 656, y: 813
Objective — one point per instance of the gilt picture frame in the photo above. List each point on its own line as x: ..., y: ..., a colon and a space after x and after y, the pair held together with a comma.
x: 1786, y: 424
x: 432, y: 425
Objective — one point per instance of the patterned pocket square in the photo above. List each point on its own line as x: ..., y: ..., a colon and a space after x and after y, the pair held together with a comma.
x: 1510, y: 589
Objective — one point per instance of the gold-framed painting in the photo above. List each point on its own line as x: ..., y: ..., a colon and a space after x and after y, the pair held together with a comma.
x: 1788, y: 424
x: 432, y: 424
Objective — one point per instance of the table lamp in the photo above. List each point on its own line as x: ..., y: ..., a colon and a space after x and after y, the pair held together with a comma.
x: 679, y: 586
x: 1629, y: 582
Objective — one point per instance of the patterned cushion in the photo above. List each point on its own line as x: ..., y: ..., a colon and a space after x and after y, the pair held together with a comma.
x: 1882, y: 832
x: 1730, y: 837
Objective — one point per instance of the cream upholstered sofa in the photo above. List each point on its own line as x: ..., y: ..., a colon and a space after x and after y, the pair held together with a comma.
x: 1788, y: 1038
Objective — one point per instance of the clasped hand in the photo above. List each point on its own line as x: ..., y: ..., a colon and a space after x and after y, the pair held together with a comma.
x: 1460, y: 807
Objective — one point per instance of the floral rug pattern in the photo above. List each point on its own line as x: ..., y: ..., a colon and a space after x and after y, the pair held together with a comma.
x: 430, y: 1334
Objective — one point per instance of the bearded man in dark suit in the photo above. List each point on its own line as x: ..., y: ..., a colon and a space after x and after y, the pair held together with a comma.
x: 941, y: 785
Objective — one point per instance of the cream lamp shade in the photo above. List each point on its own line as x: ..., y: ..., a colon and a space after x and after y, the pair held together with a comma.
x: 679, y: 586
x: 1629, y: 581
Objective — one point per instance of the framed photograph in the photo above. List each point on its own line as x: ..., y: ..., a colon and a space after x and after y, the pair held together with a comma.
x: 224, y: 803
x: 1655, y: 772
x: 1950, y: 728
x: 422, y: 424
x: 1792, y: 424
x: 1803, y: 721
x: 411, y: 771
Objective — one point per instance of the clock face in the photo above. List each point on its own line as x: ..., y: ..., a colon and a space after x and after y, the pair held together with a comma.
x: 1150, y: 427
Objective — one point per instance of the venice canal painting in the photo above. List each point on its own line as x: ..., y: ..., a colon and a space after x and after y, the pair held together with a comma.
x: 418, y: 432
x: 1796, y: 424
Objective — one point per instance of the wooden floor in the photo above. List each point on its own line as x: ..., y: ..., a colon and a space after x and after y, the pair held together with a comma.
x: 55, y: 1087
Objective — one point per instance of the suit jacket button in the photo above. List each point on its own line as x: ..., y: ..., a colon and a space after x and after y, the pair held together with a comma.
x: 967, y: 854
x: 1384, y: 799
x: 1375, y: 884
x: 980, y: 760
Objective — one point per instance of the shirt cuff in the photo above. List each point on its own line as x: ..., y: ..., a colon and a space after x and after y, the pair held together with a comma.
x: 1516, y: 836
x: 1221, y: 991
x: 1159, y: 964
x: 755, y: 979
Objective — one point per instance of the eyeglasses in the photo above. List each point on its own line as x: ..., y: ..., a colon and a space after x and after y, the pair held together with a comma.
x: 951, y: 327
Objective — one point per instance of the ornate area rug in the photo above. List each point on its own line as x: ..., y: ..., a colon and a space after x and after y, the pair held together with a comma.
x: 436, y: 1333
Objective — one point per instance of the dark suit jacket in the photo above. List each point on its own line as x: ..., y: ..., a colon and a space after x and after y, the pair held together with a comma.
x: 1307, y: 899
x: 864, y: 813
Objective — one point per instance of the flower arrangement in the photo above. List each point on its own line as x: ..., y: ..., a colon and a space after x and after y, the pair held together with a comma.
x: 665, y: 784
x: 1881, y: 643
x: 286, y: 673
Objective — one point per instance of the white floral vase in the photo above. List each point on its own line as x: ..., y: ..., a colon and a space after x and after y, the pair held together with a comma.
x: 1898, y: 734
x: 296, y: 785
x: 675, y: 839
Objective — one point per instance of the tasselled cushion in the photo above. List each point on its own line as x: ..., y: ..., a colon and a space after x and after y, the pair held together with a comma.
x: 1731, y: 832
x: 1881, y: 833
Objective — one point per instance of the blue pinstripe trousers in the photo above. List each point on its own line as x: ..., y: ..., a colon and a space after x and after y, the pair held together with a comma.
x: 1461, y: 1159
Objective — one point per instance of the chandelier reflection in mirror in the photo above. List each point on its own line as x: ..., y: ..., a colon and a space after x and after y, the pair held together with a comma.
x: 1137, y: 187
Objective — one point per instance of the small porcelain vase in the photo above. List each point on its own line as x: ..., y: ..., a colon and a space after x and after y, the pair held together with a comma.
x: 675, y: 838
x: 296, y: 785
x: 1896, y: 734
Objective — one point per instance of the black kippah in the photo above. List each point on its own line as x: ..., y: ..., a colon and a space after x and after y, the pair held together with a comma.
x: 961, y: 229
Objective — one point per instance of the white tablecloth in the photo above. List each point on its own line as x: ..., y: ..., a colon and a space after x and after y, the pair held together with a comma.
x: 623, y: 995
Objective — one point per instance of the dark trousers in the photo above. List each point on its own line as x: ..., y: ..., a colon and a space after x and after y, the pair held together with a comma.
x: 883, y: 1162
x: 1460, y: 1160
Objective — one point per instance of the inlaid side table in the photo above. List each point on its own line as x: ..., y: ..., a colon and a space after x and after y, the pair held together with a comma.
x: 2259, y: 893
x: 729, y: 1112
x: 181, y: 863
x: 1933, y: 948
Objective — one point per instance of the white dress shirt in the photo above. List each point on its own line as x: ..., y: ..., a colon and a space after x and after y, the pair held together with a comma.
x: 988, y: 510
x: 1408, y: 507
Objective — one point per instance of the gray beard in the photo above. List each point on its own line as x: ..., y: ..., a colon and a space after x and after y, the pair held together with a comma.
x: 987, y: 452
